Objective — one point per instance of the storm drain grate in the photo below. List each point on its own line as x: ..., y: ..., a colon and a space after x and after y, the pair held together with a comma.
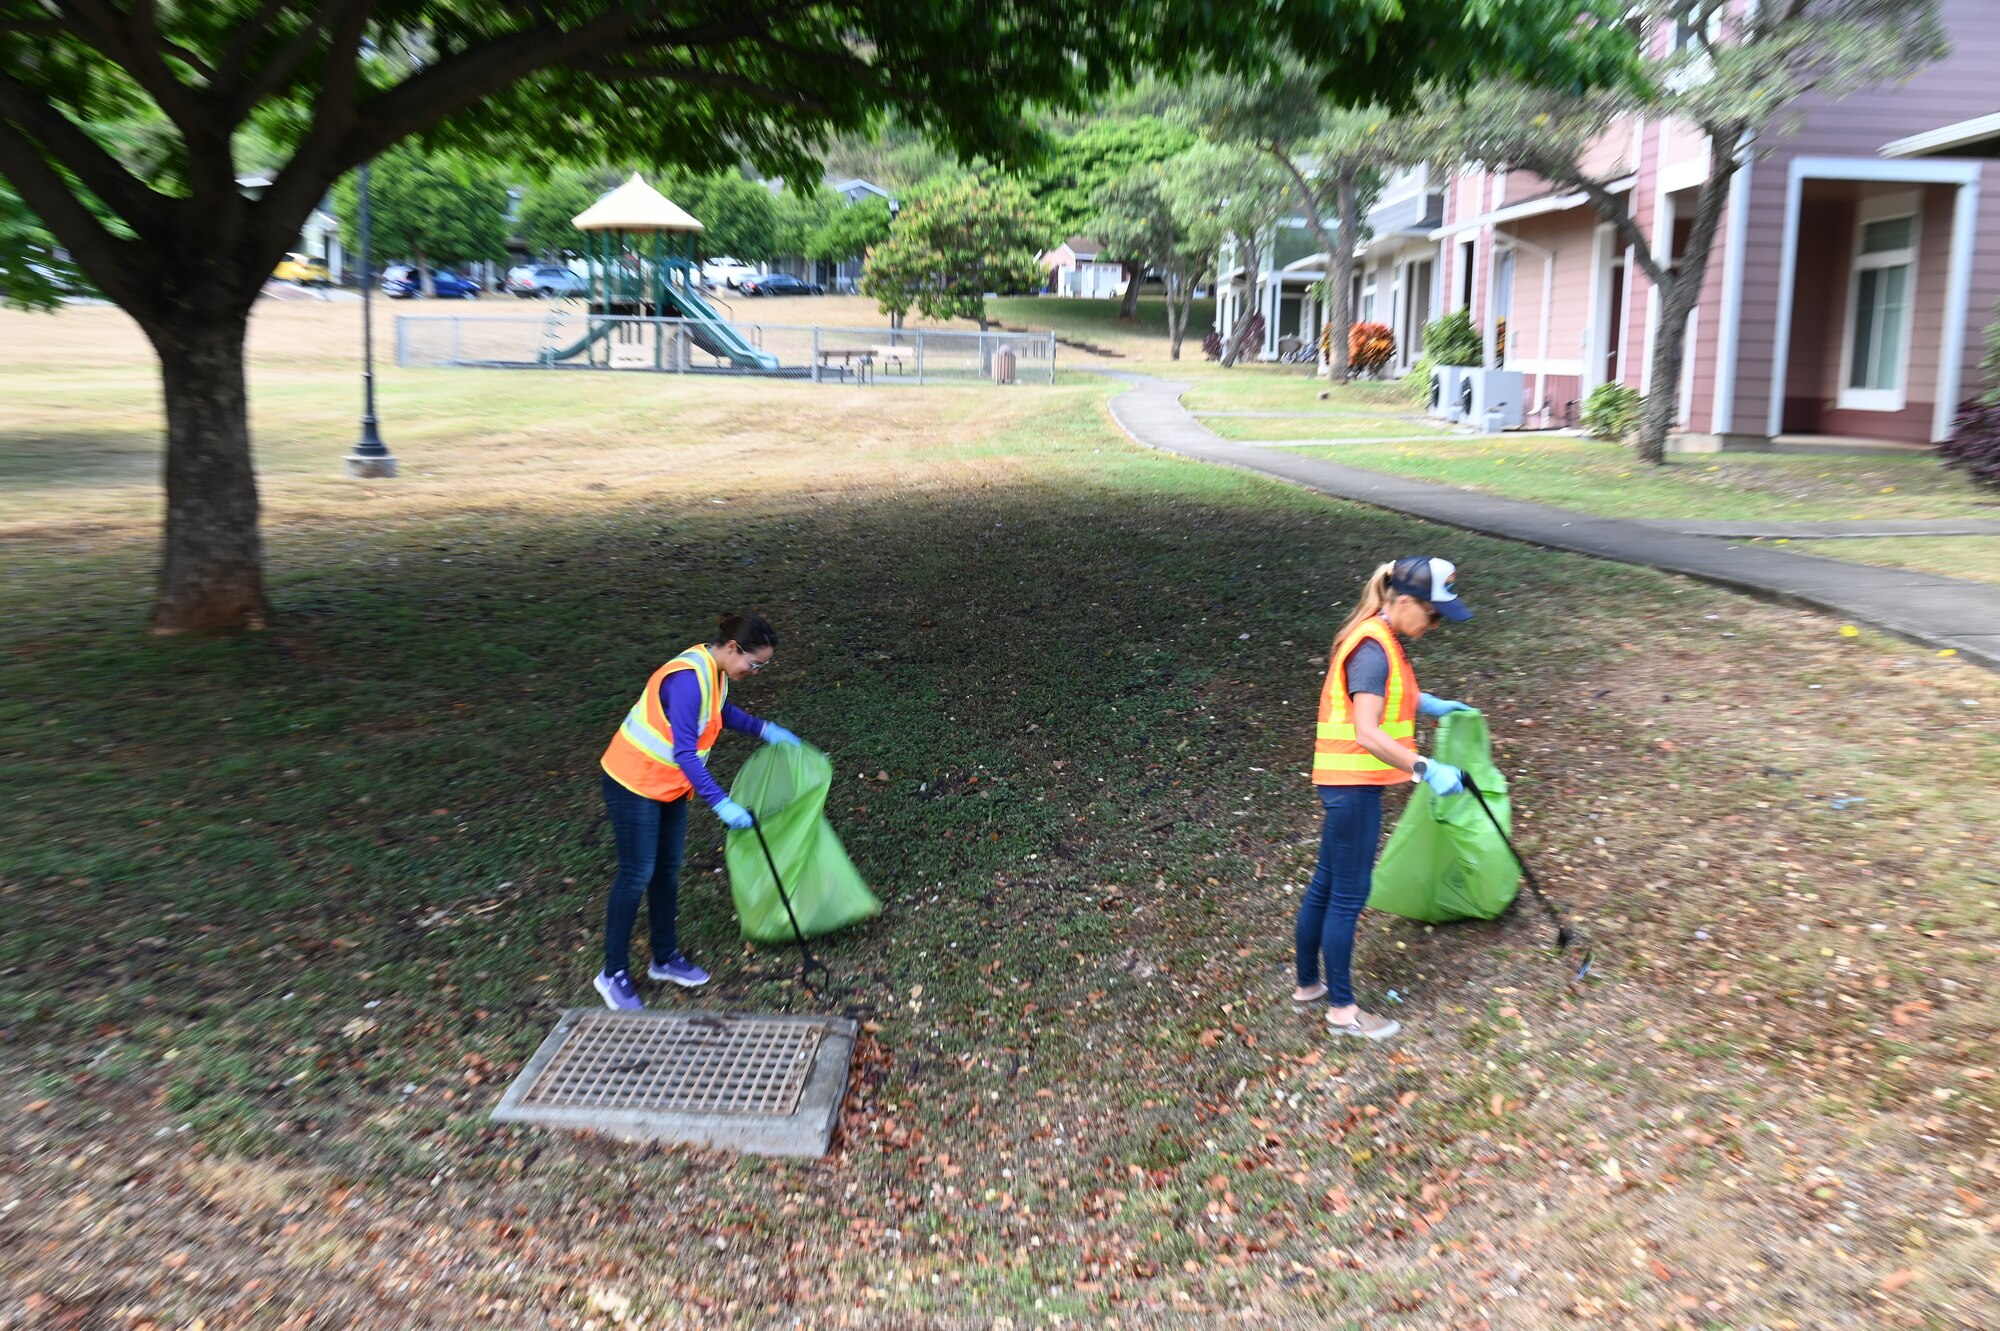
x: 673, y: 1063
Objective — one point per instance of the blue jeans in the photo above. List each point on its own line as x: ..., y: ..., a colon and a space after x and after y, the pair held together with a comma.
x: 1339, y: 888
x: 651, y: 836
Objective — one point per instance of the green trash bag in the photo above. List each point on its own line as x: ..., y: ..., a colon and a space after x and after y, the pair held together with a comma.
x: 785, y: 785
x: 1445, y: 861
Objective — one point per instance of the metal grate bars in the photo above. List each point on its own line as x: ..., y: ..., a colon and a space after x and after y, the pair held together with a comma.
x: 696, y: 1063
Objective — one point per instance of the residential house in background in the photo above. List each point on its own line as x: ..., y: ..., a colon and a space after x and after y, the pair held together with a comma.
x: 1845, y: 295
x: 839, y: 275
x: 1077, y: 268
x: 1395, y: 279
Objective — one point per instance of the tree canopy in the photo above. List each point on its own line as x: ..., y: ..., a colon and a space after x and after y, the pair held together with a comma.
x: 850, y: 231
x: 955, y: 242
x: 1069, y: 180
x: 431, y: 207
x: 550, y: 204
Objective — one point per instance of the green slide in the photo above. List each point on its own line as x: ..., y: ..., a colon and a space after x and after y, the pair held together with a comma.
x: 706, y: 326
x: 713, y: 333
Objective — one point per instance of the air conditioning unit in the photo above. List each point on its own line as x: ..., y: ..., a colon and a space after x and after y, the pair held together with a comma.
x: 1486, y: 390
x: 1446, y: 383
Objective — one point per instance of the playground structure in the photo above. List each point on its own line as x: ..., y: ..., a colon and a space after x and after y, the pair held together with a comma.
x: 646, y: 307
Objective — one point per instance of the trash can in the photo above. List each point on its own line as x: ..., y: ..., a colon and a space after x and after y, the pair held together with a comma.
x: 1003, y: 364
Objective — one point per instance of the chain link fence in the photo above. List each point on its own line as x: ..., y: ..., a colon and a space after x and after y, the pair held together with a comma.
x: 571, y: 339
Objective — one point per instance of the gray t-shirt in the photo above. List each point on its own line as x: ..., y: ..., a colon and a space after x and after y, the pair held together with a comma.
x: 1368, y: 669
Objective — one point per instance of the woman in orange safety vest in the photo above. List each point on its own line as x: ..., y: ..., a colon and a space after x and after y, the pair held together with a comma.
x: 655, y: 761
x: 1367, y: 739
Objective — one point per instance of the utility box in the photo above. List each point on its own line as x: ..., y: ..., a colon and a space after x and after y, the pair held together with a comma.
x: 1446, y: 381
x: 1487, y: 391
x: 1004, y: 367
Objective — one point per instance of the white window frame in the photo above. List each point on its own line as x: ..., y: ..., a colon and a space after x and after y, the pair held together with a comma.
x: 1881, y: 208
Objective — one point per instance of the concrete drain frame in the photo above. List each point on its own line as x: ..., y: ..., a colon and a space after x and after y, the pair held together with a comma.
x: 761, y: 1084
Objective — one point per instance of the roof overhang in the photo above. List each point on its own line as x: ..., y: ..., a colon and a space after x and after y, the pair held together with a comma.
x: 1978, y: 137
x: 1514, y: 212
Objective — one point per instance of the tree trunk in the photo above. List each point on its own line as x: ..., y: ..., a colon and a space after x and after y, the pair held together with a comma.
x: 1340, y: 300
x: 424, y: 283
x: 1663, y: 388
x: 212, y: 573
x: 1677, y: 301
x: 1241, y: 333
x: 1128, y: 310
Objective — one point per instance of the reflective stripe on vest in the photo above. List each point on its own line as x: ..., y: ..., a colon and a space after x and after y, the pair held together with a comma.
x: 1338, y: 758
x: 641, y: 753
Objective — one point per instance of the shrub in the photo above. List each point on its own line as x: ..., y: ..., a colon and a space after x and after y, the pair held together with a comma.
x: 1369, y: 347
x: 1211, y: 346
x: 1974, y: 445
x: 1612, y: 412
x: 1417, y: 383
x: 1453, y: 340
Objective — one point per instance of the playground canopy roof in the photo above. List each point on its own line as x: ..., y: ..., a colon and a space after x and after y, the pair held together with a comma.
x: 635, y: 206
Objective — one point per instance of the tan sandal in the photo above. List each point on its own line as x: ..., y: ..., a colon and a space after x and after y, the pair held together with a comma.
x: 1364, y: 1026
x: 1312, y: 995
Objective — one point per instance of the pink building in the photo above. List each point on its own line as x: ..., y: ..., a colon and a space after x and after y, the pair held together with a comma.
x: 1846, y: 295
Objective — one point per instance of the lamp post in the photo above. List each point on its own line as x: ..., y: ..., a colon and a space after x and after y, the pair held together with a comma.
x: 371, y: 457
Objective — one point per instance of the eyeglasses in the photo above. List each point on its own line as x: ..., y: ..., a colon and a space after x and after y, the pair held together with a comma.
x: 754, y: 666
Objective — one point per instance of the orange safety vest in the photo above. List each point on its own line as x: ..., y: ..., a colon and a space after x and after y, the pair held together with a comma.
x: 641, y: 756
x: 1338, y: 758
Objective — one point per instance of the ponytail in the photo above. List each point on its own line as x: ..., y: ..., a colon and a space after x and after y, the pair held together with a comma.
x: 1374, y: 596
x: 750, y: 631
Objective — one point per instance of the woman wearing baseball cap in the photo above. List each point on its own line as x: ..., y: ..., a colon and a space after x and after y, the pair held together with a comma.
x: 1368, y: 713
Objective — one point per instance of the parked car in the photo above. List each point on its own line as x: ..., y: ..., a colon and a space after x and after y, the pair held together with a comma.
x: 303, y: 269
x: 723, y: 271
x: 778, y: 284
x: 402, y: 281
x: 545, y: 280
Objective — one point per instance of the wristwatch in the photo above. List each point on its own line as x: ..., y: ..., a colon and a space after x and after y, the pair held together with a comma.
x: 1418, y: 768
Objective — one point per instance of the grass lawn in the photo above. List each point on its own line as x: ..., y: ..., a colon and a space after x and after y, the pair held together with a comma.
x: 1290, y: 388
x: 1975, y: 557
x: 284, y: 913
x: 1345, y: 426
x: 1097, y: 322
x: 1601, y: 478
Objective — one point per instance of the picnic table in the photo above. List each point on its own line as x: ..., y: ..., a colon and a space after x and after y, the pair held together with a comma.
x: 860, y: 360
x: 901, y: 356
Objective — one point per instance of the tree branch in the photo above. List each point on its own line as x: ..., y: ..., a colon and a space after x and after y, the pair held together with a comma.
x: 124, y: 38
x: 62, y: 139
x: 105, y: 257
x: 279, y: 67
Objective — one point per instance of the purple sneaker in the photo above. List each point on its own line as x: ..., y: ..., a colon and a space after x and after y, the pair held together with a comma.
x: 678, y: 969
x: 617, y: 991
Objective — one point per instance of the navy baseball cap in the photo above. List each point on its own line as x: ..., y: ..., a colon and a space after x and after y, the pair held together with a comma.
x: 1431, y: 580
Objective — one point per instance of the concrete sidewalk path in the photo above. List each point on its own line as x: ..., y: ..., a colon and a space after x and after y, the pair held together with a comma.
x: 1851, y: 529
x: 1936, y: 611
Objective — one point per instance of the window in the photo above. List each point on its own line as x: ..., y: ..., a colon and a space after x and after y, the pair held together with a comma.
x: 1465, y: 251
x: 1879, y: 305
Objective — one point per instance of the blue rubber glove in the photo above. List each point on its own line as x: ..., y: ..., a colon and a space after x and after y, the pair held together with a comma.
x: 733, y: 815
x: 777, y: 734
x: 1429, y: 704
x: 1443, y: 778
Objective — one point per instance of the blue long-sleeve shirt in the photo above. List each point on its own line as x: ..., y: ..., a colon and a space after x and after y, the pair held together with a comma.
x: 680, y: 697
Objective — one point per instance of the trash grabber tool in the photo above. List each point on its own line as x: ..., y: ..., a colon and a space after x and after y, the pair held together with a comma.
x: 807, y: 963
x: 1565, y: 936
